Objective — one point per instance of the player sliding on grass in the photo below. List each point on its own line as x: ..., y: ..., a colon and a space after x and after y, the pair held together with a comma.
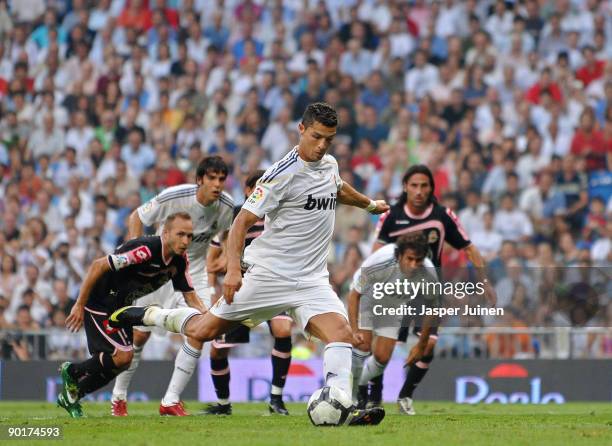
x: 288, y: 262
x: 138, y: 267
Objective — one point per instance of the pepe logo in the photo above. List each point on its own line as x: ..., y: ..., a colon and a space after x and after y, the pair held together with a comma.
x: 257, y: 195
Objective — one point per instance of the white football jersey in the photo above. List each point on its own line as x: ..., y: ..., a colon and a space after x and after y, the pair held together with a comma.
x: 208, y: 221
x: 383, y: 258
x: 298, y: 199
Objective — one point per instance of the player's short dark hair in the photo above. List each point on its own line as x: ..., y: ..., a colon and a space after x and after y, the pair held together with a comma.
x: 253, y: 177
x: 212, y: 164
x: 416, y: 242
x: 320, y: 112
x: 413, y: 170
x: 170, y: 219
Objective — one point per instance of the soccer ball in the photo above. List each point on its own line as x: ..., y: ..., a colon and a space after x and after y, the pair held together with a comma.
x: 329, y: 406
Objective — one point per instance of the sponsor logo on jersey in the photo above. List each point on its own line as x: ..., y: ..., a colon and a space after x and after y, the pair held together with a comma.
x: 256, y: 196
x: 326, y: 202
x: 120, y: 260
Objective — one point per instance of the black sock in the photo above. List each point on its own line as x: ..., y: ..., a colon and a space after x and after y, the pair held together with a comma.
x: 362, y: 392
x: 281, y: 360
x: 93, y: 374
x: 220, y: 373
x: 414, y: 377
x: 88, y: 367
x: 376, y: 388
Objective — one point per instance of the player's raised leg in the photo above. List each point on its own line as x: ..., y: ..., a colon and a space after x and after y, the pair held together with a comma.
x: 187, y: 321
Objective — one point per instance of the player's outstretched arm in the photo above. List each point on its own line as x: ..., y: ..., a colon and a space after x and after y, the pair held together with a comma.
x: 479, y: 263
x: 235, y: 245
x: 135, y: 226
x: 348, y: 195
x: 98, y: 268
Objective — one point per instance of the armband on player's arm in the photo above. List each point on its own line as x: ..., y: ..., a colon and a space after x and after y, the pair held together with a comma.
x: 122, y: 260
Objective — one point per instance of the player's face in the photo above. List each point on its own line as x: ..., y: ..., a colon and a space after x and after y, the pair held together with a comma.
x: 418, y: 190
x: 409, y: 261
x: 212, y: 184
x: 315, y: 140
x: 180, y: 235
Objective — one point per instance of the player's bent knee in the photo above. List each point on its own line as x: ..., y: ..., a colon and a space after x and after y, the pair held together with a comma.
x: 382, y: 357
x: 122, y: 360
x: 341, y: 334
x: 141, y: 337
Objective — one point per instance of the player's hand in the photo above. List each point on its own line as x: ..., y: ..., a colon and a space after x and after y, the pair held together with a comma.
x: 202, y: 308
x: 231, y: 284
x: 381, y: 207
x: 416, y: 353
x: 74, y: 321
x: 490, y: 294
x: 357, y: 339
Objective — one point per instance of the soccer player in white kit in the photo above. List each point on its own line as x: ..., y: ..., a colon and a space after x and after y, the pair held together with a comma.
x: 288, y: 262
x: 403, y: 260
x: 211, y: 211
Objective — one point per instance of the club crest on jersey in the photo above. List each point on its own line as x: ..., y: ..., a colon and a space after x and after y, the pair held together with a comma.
x: 256, y: 196
x: 321, y: 203
x: 147, y: 206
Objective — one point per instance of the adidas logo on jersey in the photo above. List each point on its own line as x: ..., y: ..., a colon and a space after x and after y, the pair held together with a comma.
x: 321, y: 203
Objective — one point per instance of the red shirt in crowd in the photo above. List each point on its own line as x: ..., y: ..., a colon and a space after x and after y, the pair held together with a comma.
x: 589, y: 73
x: 592, y: 146
x: 533, y: 94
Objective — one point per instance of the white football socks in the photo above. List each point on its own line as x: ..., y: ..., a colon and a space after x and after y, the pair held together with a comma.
x: 337, y: 366
x: 184, y: 365
x: 172, y: 320
x: 122, y: 382
x: 371, y: 370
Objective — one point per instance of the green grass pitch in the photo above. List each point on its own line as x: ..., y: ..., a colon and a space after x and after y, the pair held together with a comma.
x: 435, y: 424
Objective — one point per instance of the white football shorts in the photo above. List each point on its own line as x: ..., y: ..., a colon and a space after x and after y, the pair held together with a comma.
x: 264, y: 295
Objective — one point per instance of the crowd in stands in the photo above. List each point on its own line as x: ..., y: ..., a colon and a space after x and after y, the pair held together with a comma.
x: 105, y: 103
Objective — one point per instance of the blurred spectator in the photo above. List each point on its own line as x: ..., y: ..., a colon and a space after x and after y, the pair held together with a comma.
x: 512, y: 223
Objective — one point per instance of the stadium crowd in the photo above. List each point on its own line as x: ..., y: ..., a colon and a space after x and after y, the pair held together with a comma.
x: 103, y: 104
